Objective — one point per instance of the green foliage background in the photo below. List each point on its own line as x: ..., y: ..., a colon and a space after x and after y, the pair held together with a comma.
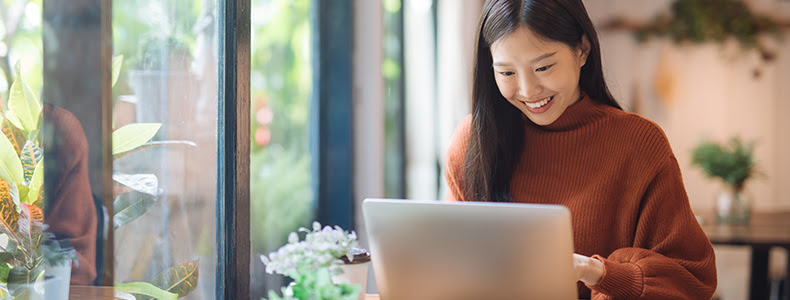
x: 733, y: 162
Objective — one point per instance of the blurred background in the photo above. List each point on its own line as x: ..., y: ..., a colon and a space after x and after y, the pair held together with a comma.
x: 411, y: 66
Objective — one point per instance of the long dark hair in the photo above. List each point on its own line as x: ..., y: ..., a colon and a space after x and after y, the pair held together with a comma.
x: 497, y: 132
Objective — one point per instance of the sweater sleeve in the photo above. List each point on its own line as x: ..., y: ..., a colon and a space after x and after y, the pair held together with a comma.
x: 671, y: 257
x: 454, y: 161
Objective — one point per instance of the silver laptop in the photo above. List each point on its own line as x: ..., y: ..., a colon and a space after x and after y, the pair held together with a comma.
x: 432, y: 250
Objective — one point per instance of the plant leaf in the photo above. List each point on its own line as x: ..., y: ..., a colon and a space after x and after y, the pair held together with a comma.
x: 14, y: 135
x: 20, y: 280
x: 127, y: 207
x: 36, y: 181
x: 155, y: 144
x: 132, y: 136
x: 22, y: 192
x: 31, y: 155
x: 29, y: 232
x: 144, y: 288
x: 180, y: 279
x: 10, y: 165
x: 4, y: 270
x: 36, y: 213
x: 23, y: 107
x: 9, y: 216
x: 117, y: 62
x: 143, y: 183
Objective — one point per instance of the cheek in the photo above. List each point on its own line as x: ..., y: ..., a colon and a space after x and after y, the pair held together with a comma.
x: 506, y: 88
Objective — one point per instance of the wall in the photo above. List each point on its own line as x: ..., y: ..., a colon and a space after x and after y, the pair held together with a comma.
x: 709, y: 90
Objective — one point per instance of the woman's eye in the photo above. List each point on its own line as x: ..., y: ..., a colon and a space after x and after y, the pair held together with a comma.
x: 543, y: 69
x: 507, y: 73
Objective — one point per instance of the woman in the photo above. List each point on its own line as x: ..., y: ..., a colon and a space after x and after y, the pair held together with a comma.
x: 545, y: 129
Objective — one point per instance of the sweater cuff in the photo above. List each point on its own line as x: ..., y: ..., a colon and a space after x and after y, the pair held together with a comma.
x: 620, y: 280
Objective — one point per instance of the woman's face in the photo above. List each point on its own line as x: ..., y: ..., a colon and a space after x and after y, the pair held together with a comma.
x: 538, y: 76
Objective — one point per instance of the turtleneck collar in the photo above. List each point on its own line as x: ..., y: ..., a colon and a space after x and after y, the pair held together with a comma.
x: 581, y: 113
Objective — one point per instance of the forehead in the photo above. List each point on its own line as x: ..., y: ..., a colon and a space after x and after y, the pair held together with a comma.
x: 524, y: 45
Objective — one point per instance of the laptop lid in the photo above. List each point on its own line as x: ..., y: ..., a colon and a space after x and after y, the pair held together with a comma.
x: 432, y: 250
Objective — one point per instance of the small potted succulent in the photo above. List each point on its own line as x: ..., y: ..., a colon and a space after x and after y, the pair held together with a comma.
x: 734, y: 164
x: 327, y: 264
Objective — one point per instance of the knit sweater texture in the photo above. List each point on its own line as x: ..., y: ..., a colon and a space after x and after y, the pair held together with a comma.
x: 616, y: 173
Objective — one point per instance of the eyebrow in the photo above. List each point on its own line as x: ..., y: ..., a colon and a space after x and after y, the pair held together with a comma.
x: 539, y: 58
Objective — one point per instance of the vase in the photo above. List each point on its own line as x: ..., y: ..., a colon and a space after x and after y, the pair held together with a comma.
x: 56, y: 281
x: 355, y: 271
x: 733, y: 206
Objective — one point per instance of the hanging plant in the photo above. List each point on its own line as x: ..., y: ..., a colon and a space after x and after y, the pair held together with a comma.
x: 701, y: 21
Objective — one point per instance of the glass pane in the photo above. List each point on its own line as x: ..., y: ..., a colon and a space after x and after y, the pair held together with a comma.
x: 391, y: 68
x: 165, y: 115
x: 280, y: 160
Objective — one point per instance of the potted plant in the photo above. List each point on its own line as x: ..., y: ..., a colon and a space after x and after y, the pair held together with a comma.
x: 327, y: 264
x: 734, y: 164
x: 28, y: 254
x: 31, y: 262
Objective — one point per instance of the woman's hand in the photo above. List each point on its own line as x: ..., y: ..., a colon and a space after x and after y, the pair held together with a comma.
x: 588, y: 270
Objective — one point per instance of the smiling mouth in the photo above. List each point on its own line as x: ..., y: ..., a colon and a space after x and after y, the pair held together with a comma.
x: 540, y: 103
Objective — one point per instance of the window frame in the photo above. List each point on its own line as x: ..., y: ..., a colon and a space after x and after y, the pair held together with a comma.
x: 233, y: 151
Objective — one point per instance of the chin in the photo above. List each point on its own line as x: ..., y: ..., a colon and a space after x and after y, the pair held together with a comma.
x: 541, y: 121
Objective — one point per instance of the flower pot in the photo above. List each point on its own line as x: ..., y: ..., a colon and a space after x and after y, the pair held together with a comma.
x: 355, y: 271
x: 56, y: 281
x: 733, y: 206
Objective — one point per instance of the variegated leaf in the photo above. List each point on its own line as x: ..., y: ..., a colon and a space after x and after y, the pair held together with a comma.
x: 180, y: 279
x: 9, y: 216
x: 26, y: 238
x: 36, y: 213
x: 31, y: 155
x: 30, y: 230
x: 14, y: 135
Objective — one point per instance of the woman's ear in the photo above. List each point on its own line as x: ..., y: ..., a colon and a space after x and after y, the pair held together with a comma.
x: 584, y: 51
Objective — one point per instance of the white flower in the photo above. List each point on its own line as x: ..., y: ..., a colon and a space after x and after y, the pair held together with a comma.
x: 322, y: 247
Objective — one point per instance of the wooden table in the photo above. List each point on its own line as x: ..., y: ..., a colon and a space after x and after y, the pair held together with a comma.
x: 766, y: 230
x: 80, y: 292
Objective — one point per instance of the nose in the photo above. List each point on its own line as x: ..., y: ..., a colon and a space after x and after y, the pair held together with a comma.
x: 529, y: 86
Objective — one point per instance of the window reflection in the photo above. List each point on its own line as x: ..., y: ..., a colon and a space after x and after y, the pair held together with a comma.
x: 166, y: 187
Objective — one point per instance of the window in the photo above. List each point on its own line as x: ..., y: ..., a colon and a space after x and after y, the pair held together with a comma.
x: 165, y: 213
x: 281, y: 177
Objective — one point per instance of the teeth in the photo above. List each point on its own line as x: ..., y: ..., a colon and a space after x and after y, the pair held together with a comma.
x: 539, y: 103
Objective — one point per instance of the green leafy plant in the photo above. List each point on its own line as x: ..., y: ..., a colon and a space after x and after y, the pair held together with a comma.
x: 317, y: 285
x: 702, y: 21
x: 733, y: 162
x: 21, y: 200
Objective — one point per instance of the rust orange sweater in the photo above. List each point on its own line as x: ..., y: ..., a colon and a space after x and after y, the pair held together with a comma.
x: 71, y: 213
x: 618, y: 176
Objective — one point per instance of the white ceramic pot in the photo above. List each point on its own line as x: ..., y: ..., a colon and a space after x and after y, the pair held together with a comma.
x: 355, y: 272
x: 56, y: 281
